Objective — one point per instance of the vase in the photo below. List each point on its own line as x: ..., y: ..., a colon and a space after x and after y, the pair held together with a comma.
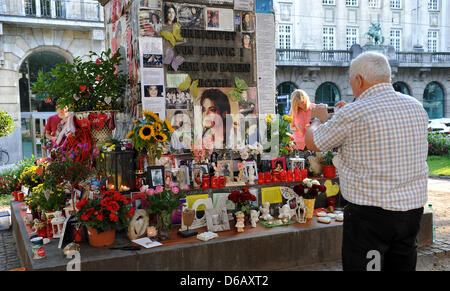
x: 309, y: 203
x: 329, y: 171
x: 102, y: 239
x: 164, y: 224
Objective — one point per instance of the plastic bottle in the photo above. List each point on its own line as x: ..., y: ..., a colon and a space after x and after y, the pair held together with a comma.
x: 430, y: 208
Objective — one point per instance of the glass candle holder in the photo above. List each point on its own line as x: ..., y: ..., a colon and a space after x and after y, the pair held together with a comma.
x: 260, y: 178
x: 268, y: 178
x: 290, y: 177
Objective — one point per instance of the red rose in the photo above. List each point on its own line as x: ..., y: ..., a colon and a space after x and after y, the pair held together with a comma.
x: 81, y: 203
x: 100, y: 217
x: 84, y: 216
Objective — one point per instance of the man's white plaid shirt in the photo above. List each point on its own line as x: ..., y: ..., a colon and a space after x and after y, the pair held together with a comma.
x: 383, y: 147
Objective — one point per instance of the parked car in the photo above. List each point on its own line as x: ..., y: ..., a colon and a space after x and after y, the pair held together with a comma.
x: 441, y: 125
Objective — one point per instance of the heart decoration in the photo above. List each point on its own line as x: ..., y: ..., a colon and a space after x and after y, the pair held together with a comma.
x: 98, y: 121
x: 83, y: 88
x: 332, y: 189
x: 107, y: 100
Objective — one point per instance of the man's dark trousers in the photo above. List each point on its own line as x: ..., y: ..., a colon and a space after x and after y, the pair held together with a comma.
x: 392, y: 233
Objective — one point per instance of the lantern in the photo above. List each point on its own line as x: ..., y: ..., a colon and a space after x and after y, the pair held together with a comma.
x: 119, y: 168
x: 57, y: 224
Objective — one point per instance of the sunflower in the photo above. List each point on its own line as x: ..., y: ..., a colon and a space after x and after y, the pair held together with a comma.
x: 129, y: 135
x: 160, y: 137
x: 158, y: 126
x: 169, y: 126
x: 151, y: 114
x: 146, y: 132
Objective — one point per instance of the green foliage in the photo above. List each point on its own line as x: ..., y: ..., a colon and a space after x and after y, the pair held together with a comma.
x: 284, y: 133
x: 328, y: 158
x: 164, y: 201
x: 85, y: 85
x: 6, y: 124
x: 438, y: 144
x: 48, y: 199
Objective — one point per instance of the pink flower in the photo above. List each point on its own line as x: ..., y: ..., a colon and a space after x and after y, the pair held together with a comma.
x: 175, y: 190
x: 143, y: 188
x: 95, y: 152
x: 185, y: 187
x: 150, y: 191
x: 159, y: 189
x: 171, y: 184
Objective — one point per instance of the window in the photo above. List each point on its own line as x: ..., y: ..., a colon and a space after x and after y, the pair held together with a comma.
x: 396, y: 4
x: 285, y: 12
x: 351, y: 3
x: 284, y: 36
x: 352, y: 36
x: 433, y: 5
x: 328, y: 93
x: 30, y: 8
x: 433, y: 100
x: 396, y: 39
x: 328, y: 2
x: 283, y: 102
x: 433, y: 41
x: 374, y: 3
x: 328, y: 38
x: 402, y: 88
x: 60, y: 8
x: 46, y: 8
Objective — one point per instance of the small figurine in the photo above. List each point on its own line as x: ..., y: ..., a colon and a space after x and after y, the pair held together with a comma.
x: 254, y: 217
x: 265, y: 211
x: 240, y: 221
x: 251, y: 175
x: 285, y: 212
x: 241, y: 174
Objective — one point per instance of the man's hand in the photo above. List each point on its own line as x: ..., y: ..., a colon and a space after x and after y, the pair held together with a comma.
x: 320, y: 111
x: 340, y: 104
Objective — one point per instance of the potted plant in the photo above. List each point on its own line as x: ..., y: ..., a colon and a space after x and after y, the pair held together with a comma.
x: 329, y: 170
x: 309, y: 189
x: 162, y: 202
x: 103, y: 216
x: 151, y: 134
x: 242, y: 199
x: 90, y: 86
x: 6, y: 124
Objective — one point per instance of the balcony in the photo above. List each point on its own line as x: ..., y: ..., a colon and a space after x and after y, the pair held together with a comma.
x: 87, y: 13
x: 292, y: 57
x: 339, y: 58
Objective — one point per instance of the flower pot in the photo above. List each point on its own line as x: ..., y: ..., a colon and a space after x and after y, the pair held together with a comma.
x: 309, y: 203
x: 102, y: 239
x: 329, y: 171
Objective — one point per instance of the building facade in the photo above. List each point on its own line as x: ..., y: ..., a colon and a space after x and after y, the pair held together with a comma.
x: 317, y: 39
x: 36, y: 35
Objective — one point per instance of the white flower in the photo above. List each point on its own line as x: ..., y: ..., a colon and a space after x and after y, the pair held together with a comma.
x: 315, y: 182
x: 244, y: 155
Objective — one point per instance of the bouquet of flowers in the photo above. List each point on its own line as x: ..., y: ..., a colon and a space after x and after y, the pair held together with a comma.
x: 151, y: 134
x: 242, y: 199
x: 328, y: 158
x: 284, y: 133
x: 110, y: 211
x: 32, y: 176
x: 250, y: 151
x: 309, y: 189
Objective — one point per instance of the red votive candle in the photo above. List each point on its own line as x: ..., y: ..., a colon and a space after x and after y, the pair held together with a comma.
x: 268, y: 178
x: 260, y: 178
x: 297, y: 174
x: 304, y: 174
x: 290, y: 177
x: 214, y: 182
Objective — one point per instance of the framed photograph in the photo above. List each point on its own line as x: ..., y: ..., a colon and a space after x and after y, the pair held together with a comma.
x: 190, y: 16
x: 247, y: 40
x: 155, y: 176
x: 248, y: 22
x: 251, y: 168
x: 197, y: 173
x: 279, y: 164
x: 177, y: 99
x: 150, y: 22
x: 135, y: 200
x: 168, y: 161
x: 227, y: 170
x: 297, y: 162
x: 217, y: 219
x: 170, y: 13
x: 183, y: 178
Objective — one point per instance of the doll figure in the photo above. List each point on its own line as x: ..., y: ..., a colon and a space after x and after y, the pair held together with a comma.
x: 265, y: 211
x: 254, y: 217
x: 285, y: 212
x: 240, y: 221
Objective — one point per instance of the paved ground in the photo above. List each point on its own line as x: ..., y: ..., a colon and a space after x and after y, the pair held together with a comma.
x: 432, y: 258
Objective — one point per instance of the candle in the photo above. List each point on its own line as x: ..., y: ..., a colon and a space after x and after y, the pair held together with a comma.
x: 304, y: 174
x: 151, y: 231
